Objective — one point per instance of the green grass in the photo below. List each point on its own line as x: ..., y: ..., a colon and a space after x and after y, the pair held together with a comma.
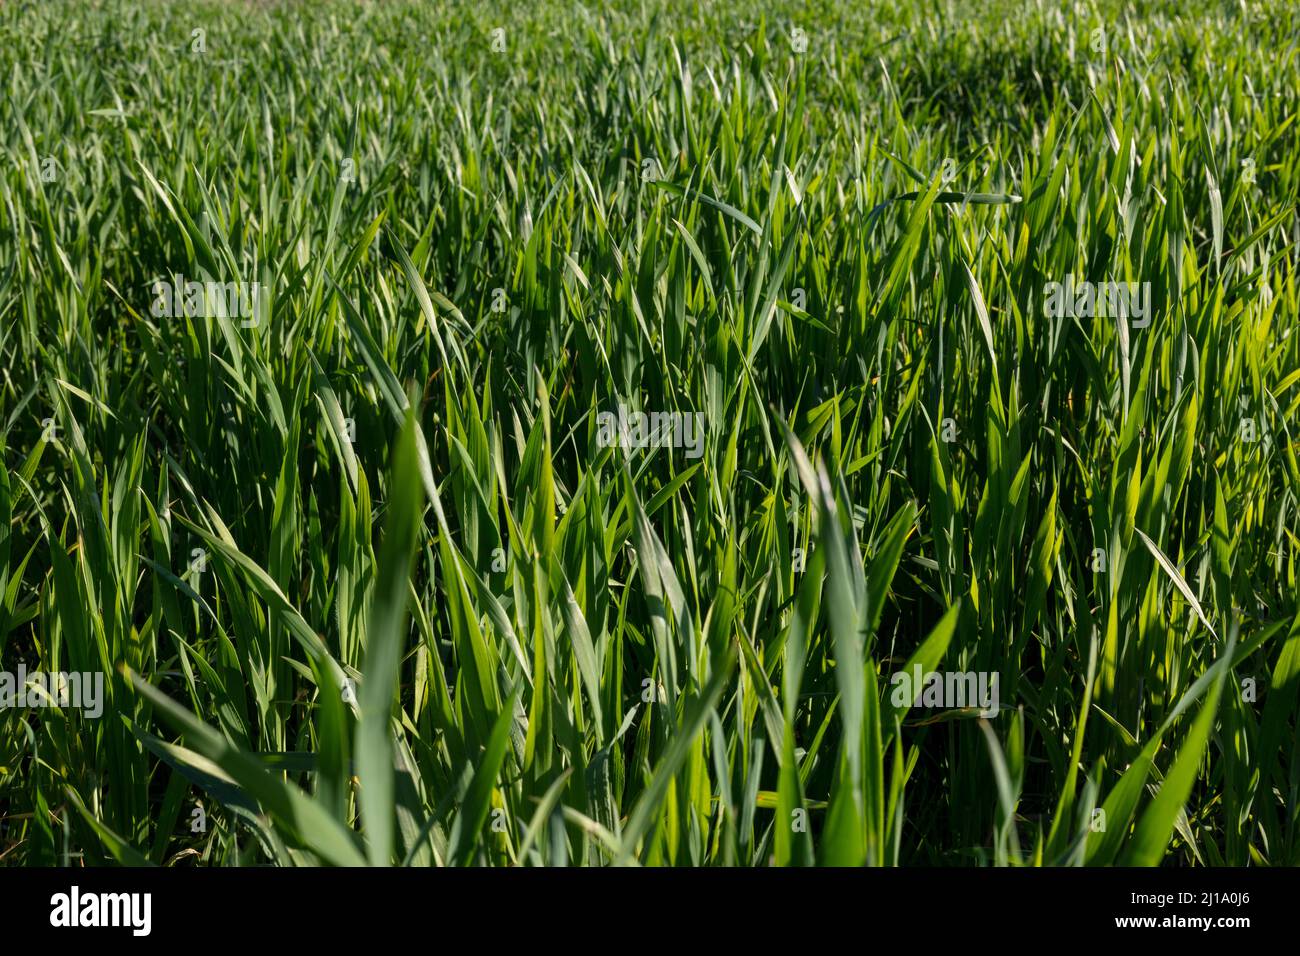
x: 365, y: 585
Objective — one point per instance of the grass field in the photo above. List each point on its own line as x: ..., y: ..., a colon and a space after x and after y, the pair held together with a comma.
x: 965, y: 335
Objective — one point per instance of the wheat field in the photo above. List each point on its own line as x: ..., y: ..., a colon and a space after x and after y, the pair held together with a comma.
x: 660, y: 433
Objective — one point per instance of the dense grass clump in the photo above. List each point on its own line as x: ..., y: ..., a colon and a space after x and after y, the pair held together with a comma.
x: 322, y: 326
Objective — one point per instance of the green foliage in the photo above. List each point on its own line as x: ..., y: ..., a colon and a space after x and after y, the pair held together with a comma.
x: 367, y: 586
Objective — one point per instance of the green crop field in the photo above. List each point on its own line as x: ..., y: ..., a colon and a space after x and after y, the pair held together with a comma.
x: 666, y: 433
